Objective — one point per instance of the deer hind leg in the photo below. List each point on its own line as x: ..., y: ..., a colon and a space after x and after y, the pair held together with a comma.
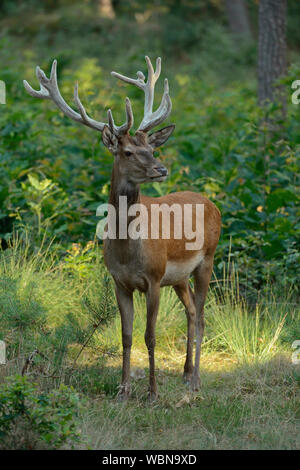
x: 186, y: 296
x: 202, y: 275
x: 152, y: 297
x: 125, y: 303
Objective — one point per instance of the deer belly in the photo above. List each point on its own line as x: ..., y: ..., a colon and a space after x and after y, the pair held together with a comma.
x: 178, y: 271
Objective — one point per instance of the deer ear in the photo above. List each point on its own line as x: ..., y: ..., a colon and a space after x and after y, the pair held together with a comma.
x: 109, y: 139
x: 160, y: 137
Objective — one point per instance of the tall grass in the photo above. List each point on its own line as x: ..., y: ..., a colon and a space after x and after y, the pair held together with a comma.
x: 46, y: 304
x: 250, y: 336
x: 248, y: 333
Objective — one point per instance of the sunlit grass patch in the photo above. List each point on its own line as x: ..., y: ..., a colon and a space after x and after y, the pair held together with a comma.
x: 248, y: 332
x: 249, y: 336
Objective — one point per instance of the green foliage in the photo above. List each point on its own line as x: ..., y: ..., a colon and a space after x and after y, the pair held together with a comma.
x: 55, y: 173
x: 253, y: 176
x: 42, y: 202
x: 31, y: 419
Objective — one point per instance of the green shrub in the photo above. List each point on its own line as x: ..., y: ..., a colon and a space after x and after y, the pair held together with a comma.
x: 31, y: 419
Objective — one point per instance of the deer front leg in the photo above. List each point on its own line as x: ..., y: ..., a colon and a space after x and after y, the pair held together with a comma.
x: 125, y: 303
x: 152, y: 297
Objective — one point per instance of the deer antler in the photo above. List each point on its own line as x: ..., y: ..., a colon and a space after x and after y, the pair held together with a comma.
x: 150, y: 119
x: 49, y: 90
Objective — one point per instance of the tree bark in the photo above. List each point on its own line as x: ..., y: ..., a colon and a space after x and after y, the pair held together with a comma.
x: 237, y: 14
x: 272, y: 61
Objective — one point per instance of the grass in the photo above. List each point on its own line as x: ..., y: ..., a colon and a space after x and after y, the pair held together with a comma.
x: 239, y: 407
x: 249, y: 397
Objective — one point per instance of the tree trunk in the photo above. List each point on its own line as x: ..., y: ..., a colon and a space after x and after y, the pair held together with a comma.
x: 238, y: 19
x: 106, y: 9
x: 272, y: 62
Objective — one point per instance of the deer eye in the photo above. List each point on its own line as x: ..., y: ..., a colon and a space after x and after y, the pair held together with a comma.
x: 128, y: 153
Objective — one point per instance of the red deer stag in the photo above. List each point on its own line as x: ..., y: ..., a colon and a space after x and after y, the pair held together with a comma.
x: 147, y: 264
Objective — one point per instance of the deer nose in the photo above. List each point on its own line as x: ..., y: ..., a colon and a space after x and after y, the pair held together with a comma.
x: 161, y: 170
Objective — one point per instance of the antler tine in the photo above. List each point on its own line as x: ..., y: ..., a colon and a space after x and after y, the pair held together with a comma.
x: 42, y: 93
x: 149, y: 86
x: 121, y: 130
x: 49, y: 90
x: 150, y: 119
x: 139, y: 82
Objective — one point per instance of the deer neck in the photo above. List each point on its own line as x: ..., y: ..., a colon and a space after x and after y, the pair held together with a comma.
x: 121, y: 187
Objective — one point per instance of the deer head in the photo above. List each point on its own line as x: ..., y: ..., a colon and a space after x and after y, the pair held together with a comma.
x: 133, y: 154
